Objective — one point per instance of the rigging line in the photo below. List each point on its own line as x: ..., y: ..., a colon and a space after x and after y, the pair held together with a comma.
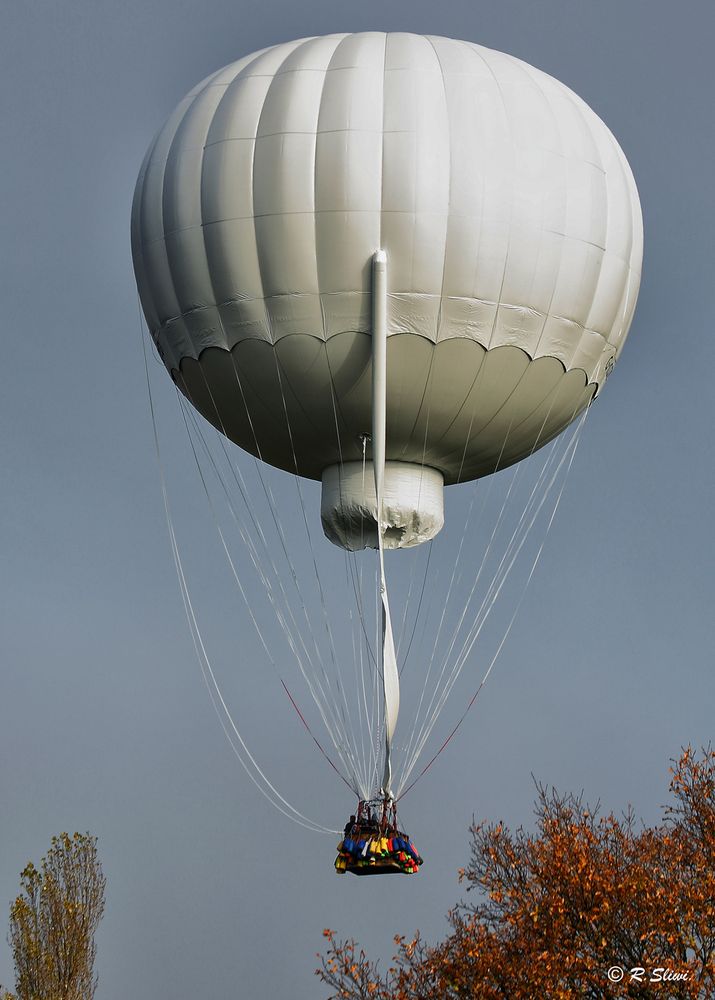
x: 466, y: 525
x: 356, y: 580
x: 361, y: 701
x: 421, y: 733
x: 215, y: 692
x: 418, y: 726
x: 258, y: 566
x: 363, y: 721
x: 551, y: 458
x: 357, y: 585
x: 278, y: 526
x: 467, y: 519
x: 362, y: 546
x: 243, y: 491
x: 363, y: 641
x: 294, y: 814
x: 482, y: 614
x: 486, y: 606
x: 435, y: 694
x: 567, y: 457
x: 569, y: 454
x: 571, y: 447
x: 484, y: 561
x: 331, y: 702
x: 406, y: 604
x: 373, y: 655
x: 427, y: 394
x: 255, y: 559
x: 458, y: 560
x: 326, y: 619
x: 371, y: 709
x: 336, y: 423
x: 310, y: 731
x: 360, y: 641
x: 257, y: 462
x: 362, y: 510
x: 357, y: 589
x: 419, y: 496
x: 377, y: 691
x: 419, y: 604
x: 425, y: 684
x: 511, y: 622
x: 485, y: 609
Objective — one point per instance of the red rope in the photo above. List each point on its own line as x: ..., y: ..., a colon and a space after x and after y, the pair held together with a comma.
x: 431, y: 762
x: 310, y: 732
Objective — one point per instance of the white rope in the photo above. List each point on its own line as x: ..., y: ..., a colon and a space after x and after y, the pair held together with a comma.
x: 255, y: 773
x: 514, y: 548
x: 330, y: 705
x: 319, y: 696
x: 351, y: 745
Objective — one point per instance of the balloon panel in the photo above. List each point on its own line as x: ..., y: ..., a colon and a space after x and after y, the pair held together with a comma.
x: 507, y: 211
x: 473, y: 412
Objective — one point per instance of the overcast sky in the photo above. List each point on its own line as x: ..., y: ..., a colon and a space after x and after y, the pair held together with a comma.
x: 104, y: 722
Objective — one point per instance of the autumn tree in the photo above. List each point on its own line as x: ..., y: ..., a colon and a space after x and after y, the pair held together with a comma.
x: 53, y: 922
x: 585, y: 906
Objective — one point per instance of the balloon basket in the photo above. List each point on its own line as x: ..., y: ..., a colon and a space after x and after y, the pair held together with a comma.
x: 373, y: 844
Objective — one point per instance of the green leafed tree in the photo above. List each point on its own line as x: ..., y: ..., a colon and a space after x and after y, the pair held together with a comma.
x: 54, y: 920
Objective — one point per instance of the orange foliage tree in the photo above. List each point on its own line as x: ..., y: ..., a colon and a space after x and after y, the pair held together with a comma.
x: 586, y: 906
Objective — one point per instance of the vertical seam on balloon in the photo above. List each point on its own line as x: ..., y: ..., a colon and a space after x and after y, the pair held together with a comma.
x: 318, y: 281
x: 241, y: 73
x: 519, y: 65
x: 480, y: 52
x: 434, y: 343
x: 382, y: 162
x: 629, y: 183
x: 259, y: 261
x: 426, y: 391
x: 138, y: 213
x: 576, y: 104
x: 449, y: 186
x: 209, y: 269
x: 170, y: 269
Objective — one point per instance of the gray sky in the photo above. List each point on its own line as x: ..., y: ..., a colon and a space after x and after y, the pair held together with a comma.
x: 104, y: 722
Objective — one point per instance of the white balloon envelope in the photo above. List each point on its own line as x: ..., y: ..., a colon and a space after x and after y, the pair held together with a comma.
x: 507, y: 210
x: 510, y: 224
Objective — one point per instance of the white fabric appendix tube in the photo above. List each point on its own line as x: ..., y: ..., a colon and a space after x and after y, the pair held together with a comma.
x: 390, y: 674
x: 412, y: 505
